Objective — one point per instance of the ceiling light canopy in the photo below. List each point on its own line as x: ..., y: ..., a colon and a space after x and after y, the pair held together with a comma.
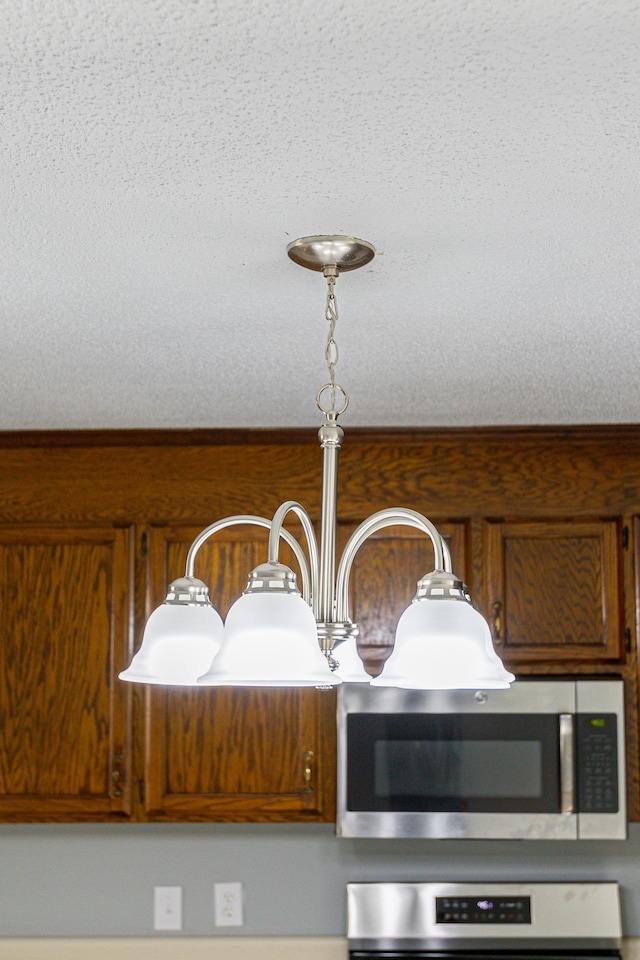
x: 278, y: 635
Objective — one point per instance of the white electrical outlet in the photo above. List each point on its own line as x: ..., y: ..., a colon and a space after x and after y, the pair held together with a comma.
x: 167, y: 908
x: 227, y: 898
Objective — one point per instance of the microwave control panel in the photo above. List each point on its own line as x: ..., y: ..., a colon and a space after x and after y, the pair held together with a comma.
x: 597, y: 746
x: 483, y: 910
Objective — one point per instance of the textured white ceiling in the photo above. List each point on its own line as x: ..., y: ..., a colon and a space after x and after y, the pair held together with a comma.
x: 158, y: 155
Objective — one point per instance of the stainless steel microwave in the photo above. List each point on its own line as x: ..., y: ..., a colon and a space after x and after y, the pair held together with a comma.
x: 542, y: 760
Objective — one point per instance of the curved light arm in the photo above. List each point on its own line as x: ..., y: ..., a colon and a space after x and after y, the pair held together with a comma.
x: 392, y: 517
x: 277, y: 531
x: 204, y: 535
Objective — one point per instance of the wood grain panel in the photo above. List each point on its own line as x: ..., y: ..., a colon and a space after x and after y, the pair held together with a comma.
x: 245, y: 741
x: 64, y: 627
x: 489, y: 479
x: 456, y: 473
x: 559, y: 591
x: 224, y: 753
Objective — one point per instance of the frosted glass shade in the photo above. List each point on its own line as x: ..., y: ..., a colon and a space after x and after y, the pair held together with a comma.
x: 443, y: 644
x: 270, y: 640
x: 178, y: 644
x: 350, y: 667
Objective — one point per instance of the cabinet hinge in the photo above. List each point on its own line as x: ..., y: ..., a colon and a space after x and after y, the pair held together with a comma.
x: 141, y: 790
x: 627, y: 640
x: 143, y: 544
x: 625, y: 538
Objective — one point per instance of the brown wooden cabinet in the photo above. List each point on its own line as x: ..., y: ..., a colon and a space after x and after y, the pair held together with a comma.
x: 237, y: 754
x: 554, y: 590
x: 243, y: 754
x: 94, y: 526
x: 64, y: 720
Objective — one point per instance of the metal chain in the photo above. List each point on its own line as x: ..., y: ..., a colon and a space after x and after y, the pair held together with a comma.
x: 331, y: 352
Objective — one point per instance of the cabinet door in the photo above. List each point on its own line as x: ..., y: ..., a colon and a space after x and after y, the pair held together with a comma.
x: 383, y: 582
x: 64, y: 626
x: 554, y: 591
x: 225, y: 753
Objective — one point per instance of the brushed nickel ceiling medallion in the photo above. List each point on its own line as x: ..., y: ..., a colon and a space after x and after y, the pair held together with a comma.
x: 345, y: 253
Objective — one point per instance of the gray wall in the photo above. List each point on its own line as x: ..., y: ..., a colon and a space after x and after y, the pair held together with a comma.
x: 84, y: 880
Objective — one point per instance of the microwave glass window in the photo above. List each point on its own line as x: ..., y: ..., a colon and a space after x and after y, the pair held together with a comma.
x: 507, y: 763
x: 453, y: 768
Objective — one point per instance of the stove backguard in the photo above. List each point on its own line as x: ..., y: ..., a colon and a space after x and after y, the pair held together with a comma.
x: 482, y: 920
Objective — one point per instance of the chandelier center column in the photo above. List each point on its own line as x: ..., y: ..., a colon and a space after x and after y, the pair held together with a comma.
x: 330, y: 436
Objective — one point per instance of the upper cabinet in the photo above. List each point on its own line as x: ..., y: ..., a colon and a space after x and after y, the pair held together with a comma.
x: 64, y: 720
x: 540, y: 524
x: 554, y: 590
x: 238, y: 754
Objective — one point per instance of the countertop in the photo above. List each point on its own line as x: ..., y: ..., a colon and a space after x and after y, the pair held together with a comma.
x: 194, y: 948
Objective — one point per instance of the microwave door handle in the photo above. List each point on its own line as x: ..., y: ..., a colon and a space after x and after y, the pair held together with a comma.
x: 567, y: 790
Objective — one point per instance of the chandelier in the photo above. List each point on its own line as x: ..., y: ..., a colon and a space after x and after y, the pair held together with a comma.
x: 278, y: 635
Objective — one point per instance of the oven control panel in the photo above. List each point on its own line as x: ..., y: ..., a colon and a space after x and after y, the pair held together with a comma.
x: 483, y: 910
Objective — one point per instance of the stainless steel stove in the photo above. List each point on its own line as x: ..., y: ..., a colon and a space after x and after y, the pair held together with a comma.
x: 478, y: 921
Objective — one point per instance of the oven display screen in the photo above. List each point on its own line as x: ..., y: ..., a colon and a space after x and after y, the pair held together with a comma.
x: 483, y: 910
